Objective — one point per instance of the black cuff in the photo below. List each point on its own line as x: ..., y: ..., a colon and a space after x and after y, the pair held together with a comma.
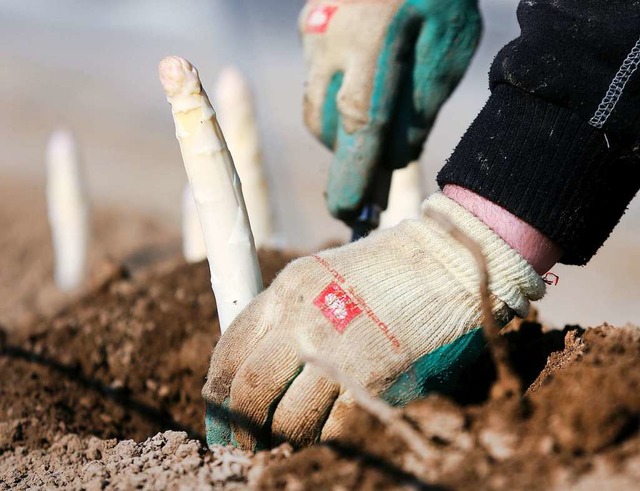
x: 547, y: 166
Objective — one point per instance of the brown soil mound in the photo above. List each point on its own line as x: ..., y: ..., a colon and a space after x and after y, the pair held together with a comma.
x: 127, y: 361
x: 577, y: 427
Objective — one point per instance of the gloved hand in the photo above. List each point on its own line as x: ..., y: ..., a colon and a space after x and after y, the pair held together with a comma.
x: 377, y: 74
x: 398, y: 311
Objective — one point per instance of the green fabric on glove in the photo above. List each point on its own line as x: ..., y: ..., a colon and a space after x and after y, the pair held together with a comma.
x: 398, y: 311
x: 396, y: 62
x: 437, y: 371
x: 218, y: 424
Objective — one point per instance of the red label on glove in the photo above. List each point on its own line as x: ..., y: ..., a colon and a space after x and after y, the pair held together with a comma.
x: 337, y: 306
x: 319, y: 17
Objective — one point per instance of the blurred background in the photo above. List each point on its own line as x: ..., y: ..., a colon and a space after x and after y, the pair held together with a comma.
x: 91, y: 65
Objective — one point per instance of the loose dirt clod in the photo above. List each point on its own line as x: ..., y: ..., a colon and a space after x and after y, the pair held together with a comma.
x: 168, y: 460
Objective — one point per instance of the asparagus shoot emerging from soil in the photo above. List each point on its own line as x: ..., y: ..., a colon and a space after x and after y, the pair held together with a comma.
x: 193, y: 247
x: 235, y: 273
x: 234, y: 103
x: 68, y: 210
x: 405, y: 196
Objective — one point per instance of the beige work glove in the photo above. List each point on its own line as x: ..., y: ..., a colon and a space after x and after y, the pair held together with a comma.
x: 378, y: 72
x: 398, y: 311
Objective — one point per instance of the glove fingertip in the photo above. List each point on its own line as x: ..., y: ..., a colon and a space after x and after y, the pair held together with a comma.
x: 217, y: 425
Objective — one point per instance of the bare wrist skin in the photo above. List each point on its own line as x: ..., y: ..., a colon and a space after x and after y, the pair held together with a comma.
x: 537, y: 249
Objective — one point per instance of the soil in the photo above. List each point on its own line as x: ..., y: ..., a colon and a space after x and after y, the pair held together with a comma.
x: 126, y: 361
x: 105, y: 393
x: 169, y: 460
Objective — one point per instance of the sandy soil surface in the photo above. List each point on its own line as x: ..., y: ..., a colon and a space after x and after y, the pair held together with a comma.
x: 126, y: 361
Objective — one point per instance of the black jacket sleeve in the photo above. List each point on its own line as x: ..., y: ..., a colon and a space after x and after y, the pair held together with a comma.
x: 558, y: 142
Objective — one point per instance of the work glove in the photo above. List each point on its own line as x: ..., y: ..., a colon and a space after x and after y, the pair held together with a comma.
x: 399, y: 312
x: 377, y: 74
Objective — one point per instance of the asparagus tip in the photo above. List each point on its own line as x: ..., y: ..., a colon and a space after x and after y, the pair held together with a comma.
x: 178, y: 76
x: 232, y: 86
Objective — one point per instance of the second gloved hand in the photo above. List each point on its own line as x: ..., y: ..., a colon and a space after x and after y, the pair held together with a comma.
x: 398, y: 311
x: 377, y: 74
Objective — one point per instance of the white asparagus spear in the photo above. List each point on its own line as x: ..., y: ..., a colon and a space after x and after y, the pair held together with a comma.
x: 234, y: 106
x: 235, y: 273
x: 68, y: 210
x: 193, y: 247
x: 405, y: 197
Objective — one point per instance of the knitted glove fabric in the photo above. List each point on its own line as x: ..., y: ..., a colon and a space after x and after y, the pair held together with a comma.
x: 398, y: 311
x: 377, y: 74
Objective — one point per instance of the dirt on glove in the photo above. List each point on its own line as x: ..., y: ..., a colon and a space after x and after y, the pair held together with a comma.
x: 105, y: 394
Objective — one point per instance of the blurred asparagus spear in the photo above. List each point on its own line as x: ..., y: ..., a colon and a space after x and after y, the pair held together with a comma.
x: 68, y: 210
x: 234, y: 104
x: 405, y: 196
x: 235, y: 273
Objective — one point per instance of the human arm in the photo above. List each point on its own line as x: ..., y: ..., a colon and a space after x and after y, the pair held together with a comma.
x: 537, y: 249
x: 551, y: 146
